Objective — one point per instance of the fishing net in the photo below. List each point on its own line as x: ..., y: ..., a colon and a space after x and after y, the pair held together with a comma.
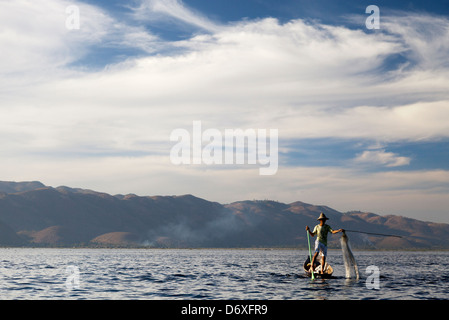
x: 350, y: 264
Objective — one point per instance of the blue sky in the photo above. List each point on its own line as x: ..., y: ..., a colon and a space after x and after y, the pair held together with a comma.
x: 362, y: 115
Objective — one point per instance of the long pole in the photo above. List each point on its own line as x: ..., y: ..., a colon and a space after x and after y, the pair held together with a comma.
x: 376, y: 234
x: 310, y: 255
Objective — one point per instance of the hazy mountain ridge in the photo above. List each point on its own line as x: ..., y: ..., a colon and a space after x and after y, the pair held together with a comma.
x: 32, y: 214
x: 13, y: 187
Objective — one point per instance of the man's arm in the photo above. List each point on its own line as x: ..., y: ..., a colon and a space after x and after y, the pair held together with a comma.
x: 310, y: 232
x: 337, y: 231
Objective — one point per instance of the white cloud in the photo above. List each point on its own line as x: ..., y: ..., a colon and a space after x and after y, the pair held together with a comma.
x: 308, y: 80
x: 254, y: 74
x: 34, y: 35
x: 422, y: 34
x: 37, y: 46
x: 380, y: 157
x: 412, y: 122
x: 149, y: 10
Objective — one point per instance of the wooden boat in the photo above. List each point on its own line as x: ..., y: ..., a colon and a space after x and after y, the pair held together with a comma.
x: 328, y: 270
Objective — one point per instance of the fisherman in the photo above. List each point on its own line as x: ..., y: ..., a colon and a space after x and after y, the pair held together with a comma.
x: 321, y: 230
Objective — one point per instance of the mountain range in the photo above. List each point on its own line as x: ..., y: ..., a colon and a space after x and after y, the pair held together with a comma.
x: 33, y: 214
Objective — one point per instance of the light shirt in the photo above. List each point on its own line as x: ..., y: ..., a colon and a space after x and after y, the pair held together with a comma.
x: 321, y: 232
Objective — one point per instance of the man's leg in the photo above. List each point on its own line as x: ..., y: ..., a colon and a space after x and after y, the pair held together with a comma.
x: 323, y: 262
x: 323, y: 259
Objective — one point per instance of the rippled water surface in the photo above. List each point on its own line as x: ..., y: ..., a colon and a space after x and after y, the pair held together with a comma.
x: 215, y: 274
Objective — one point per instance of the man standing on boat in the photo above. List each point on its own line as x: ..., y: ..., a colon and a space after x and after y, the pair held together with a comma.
x: 321, y: 230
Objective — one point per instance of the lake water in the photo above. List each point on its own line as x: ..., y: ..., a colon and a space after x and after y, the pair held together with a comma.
x: 206, y: 274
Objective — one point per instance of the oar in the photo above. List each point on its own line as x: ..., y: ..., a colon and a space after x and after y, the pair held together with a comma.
x: 310, y: 255
x: 376, y: 234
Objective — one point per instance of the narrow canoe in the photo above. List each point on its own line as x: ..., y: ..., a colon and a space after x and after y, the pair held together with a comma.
x: 328, y: 270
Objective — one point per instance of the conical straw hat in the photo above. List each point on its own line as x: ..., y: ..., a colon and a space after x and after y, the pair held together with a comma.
x: 323, y: 217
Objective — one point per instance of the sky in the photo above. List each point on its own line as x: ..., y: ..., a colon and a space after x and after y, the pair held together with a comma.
x: 91, y: 91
